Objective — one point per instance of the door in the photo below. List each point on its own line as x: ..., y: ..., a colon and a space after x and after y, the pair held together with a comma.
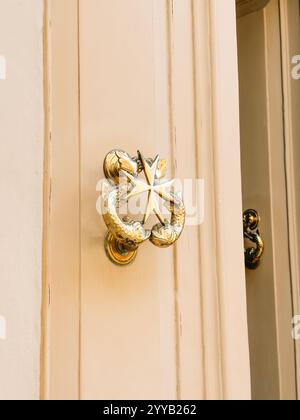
x: 142, y: 75
x: 268, y: 39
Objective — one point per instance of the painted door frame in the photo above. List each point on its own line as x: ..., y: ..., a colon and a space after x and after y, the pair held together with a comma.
x: 266, y: 181
x: 290, y: 44
x: 225, y: 353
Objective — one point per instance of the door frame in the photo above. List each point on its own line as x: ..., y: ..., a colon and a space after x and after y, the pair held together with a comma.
x: 290, y: 44
x: 226, y: 370
x: 269, y: 288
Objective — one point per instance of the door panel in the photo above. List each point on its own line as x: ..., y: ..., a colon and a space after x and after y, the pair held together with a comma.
x: 127, y: 313
x: 132, y: 111
x: 164, y: 327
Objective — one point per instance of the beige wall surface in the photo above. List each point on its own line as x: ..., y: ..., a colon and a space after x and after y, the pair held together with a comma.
x: 21, y: 196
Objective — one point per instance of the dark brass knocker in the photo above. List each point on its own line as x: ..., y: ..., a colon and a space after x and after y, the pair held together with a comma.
x: 253, y: 255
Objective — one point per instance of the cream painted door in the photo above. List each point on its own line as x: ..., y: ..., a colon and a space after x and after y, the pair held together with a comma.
x: 143, y: 75
x: 267, y: 42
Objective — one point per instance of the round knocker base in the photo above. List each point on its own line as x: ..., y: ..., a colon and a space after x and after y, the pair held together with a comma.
x: 116, y: 253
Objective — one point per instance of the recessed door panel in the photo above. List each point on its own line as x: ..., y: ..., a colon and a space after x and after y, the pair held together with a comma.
x: 128, y: 314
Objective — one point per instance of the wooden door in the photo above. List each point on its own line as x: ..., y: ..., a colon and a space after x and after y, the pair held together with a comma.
x: 143, y: 75
x: 267, y: 41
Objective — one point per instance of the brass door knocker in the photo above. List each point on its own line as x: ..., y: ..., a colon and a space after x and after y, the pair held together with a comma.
x: 125, y: 235
x: 253, y: 255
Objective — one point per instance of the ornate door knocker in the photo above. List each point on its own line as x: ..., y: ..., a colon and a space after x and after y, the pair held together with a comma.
x: 253, y: 255
x: 125, y: 235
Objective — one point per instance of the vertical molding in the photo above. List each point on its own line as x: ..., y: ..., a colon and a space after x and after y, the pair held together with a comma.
x: 79, y: 290
x: 228, y: 199
x: 190, y: 349
x: 21, y: 188
x: 44, y: 360
x: 205, y: 118
x: 210, y: 305
x: 61, y: 311
x: 278, y: 204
